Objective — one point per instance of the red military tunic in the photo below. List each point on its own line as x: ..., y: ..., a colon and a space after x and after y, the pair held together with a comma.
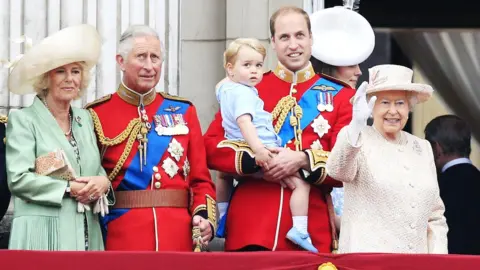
x: 253, y: 214
x: 153, y: 228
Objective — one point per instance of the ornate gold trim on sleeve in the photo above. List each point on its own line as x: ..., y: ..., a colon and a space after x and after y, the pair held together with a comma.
x: 240, y: 147
x: 212, y: 211
x: 238, y: 162
x: 198, y: 209
x: 323, y: 175
x: 237, y: 146
x: 317, y: 158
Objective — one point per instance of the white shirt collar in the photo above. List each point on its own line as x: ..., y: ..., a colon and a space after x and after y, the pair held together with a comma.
x: 456, y: 162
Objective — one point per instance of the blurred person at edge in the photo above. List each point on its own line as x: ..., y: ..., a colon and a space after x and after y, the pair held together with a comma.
x: 4, y: 191
x: 459, y: 181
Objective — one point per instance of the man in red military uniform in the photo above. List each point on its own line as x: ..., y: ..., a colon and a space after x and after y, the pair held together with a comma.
x: 154, y: 154
x: 308, y: 111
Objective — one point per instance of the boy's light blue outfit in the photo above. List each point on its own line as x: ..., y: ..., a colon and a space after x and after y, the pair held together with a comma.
x: 237, y: 99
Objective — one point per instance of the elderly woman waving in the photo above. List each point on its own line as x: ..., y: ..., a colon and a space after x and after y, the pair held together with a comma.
x: 53, y: 163
x: 392, y: 201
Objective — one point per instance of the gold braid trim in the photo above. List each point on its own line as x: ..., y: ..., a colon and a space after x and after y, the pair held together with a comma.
x: 119, y: 138
x: 284, y: 106
x: 131, y: 132
x: 317, y: 158
x: 212, y: 211
x: 297, y: 114
x: 298, y: 111
x: 238, y: 162
x: 199, y: 208
x: 323, y: 176
x: 126, y: 152
x: 281, y: 110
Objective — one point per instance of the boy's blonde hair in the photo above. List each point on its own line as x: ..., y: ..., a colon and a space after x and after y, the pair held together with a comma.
x: 230, y: 54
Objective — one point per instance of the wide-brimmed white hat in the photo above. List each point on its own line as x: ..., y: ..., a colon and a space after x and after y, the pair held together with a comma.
x: 341, y: 37
x: 395, y: 77
x: 80, y: 43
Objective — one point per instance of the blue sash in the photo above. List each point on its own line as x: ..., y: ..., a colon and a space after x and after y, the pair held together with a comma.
x: 135, y: 179
x: 308, y: 102
x: 222, y: 225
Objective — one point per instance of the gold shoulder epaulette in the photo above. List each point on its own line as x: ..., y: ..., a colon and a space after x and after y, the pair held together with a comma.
x: 3, y: 119
x: 177, y: 98
x: 98, y: 101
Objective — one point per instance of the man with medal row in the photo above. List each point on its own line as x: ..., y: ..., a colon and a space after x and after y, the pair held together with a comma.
x: 152, y: 148
x: 259, y: 215
x: 325, y: 101
x: 170, y: 124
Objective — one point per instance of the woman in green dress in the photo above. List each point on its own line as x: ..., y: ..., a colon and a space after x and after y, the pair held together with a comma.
x: 53, y: 163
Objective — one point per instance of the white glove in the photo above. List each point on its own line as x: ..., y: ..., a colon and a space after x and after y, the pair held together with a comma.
x: 82, y: 207
x: 360, y: 113
x: 101, y: 206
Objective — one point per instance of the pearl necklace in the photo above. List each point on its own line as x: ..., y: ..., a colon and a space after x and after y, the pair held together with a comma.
x: 69, y: 117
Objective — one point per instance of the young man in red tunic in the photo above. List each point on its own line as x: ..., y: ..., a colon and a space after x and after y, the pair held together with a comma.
x: 154, y: 154
x: 308, y: 111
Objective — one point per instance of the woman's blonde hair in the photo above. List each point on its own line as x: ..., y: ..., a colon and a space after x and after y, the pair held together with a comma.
x: 42, y: 83
x: 230, y: 54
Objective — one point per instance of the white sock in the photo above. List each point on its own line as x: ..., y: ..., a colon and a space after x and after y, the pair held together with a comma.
x: 301, y: 223
x: 222, y: 208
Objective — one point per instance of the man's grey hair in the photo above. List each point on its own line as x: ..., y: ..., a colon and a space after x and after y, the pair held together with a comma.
x: 125, y: 44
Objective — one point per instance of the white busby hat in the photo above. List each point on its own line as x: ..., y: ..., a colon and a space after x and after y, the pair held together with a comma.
x: 341, y: 37
x: 80, y: 43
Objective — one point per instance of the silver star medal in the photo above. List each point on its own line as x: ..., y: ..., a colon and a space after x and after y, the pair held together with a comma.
x: 170, y: 167
x: 175, y: 149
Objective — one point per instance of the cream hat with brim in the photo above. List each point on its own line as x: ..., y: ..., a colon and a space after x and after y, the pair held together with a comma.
x: 80, y: 43
x: 393, y: 77
x: 341, y: 37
